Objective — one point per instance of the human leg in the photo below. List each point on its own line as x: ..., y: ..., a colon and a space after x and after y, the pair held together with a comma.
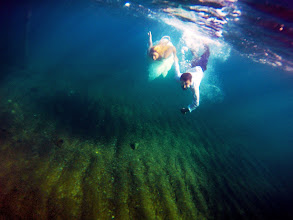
x: 202, y: 61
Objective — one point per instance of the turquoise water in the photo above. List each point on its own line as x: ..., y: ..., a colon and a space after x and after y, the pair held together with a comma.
x: 85, y: 133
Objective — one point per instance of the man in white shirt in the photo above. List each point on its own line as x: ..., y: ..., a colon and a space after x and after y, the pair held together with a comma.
x: 192, y: 78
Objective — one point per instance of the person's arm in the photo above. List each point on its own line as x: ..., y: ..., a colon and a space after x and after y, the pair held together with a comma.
x: 171, y: 50
x: 195, y: 101
x: 150, y: 41
x: 175, y: 54
x: 177, y: 69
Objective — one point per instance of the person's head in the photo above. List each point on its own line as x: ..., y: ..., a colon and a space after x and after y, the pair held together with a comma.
x: 154, y: 54
x: 185, y: 80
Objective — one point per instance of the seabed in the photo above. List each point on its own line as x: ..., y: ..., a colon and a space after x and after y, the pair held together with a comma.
x: 71, y: 152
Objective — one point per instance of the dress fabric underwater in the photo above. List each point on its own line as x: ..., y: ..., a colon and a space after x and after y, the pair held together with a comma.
x: 161, y: 67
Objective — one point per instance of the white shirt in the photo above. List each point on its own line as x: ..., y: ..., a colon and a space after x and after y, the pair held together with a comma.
x: 197, y: 75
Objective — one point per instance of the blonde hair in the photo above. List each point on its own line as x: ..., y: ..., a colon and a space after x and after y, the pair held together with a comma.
x: 160, y: 49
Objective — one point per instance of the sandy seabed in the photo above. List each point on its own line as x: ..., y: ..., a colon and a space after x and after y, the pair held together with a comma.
x: 69, y: 153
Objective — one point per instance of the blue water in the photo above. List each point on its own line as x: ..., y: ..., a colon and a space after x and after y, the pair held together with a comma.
x: 100, y: 47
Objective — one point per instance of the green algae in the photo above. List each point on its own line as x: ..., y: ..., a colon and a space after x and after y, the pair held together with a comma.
x: 177, y: 170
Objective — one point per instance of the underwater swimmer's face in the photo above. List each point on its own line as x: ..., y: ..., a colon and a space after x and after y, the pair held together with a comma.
x: 155, y: 55
x: 185, y: 84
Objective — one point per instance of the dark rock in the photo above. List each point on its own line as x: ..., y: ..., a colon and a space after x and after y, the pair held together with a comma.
x: 134, y: 146
x: 4, y: 133
x: 59, y: 142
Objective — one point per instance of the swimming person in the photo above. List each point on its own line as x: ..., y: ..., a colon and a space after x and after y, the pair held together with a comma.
x: 164, y: 55
x: 192, y: 78
x: 162, y: 50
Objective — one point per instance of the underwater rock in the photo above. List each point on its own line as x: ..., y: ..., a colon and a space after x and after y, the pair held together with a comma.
x: 4, y: 133
x: 134, y: 146
x: 59, y: 142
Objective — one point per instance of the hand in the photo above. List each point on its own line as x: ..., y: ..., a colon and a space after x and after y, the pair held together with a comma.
x: 150, y: 34
x: 184, y: 110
